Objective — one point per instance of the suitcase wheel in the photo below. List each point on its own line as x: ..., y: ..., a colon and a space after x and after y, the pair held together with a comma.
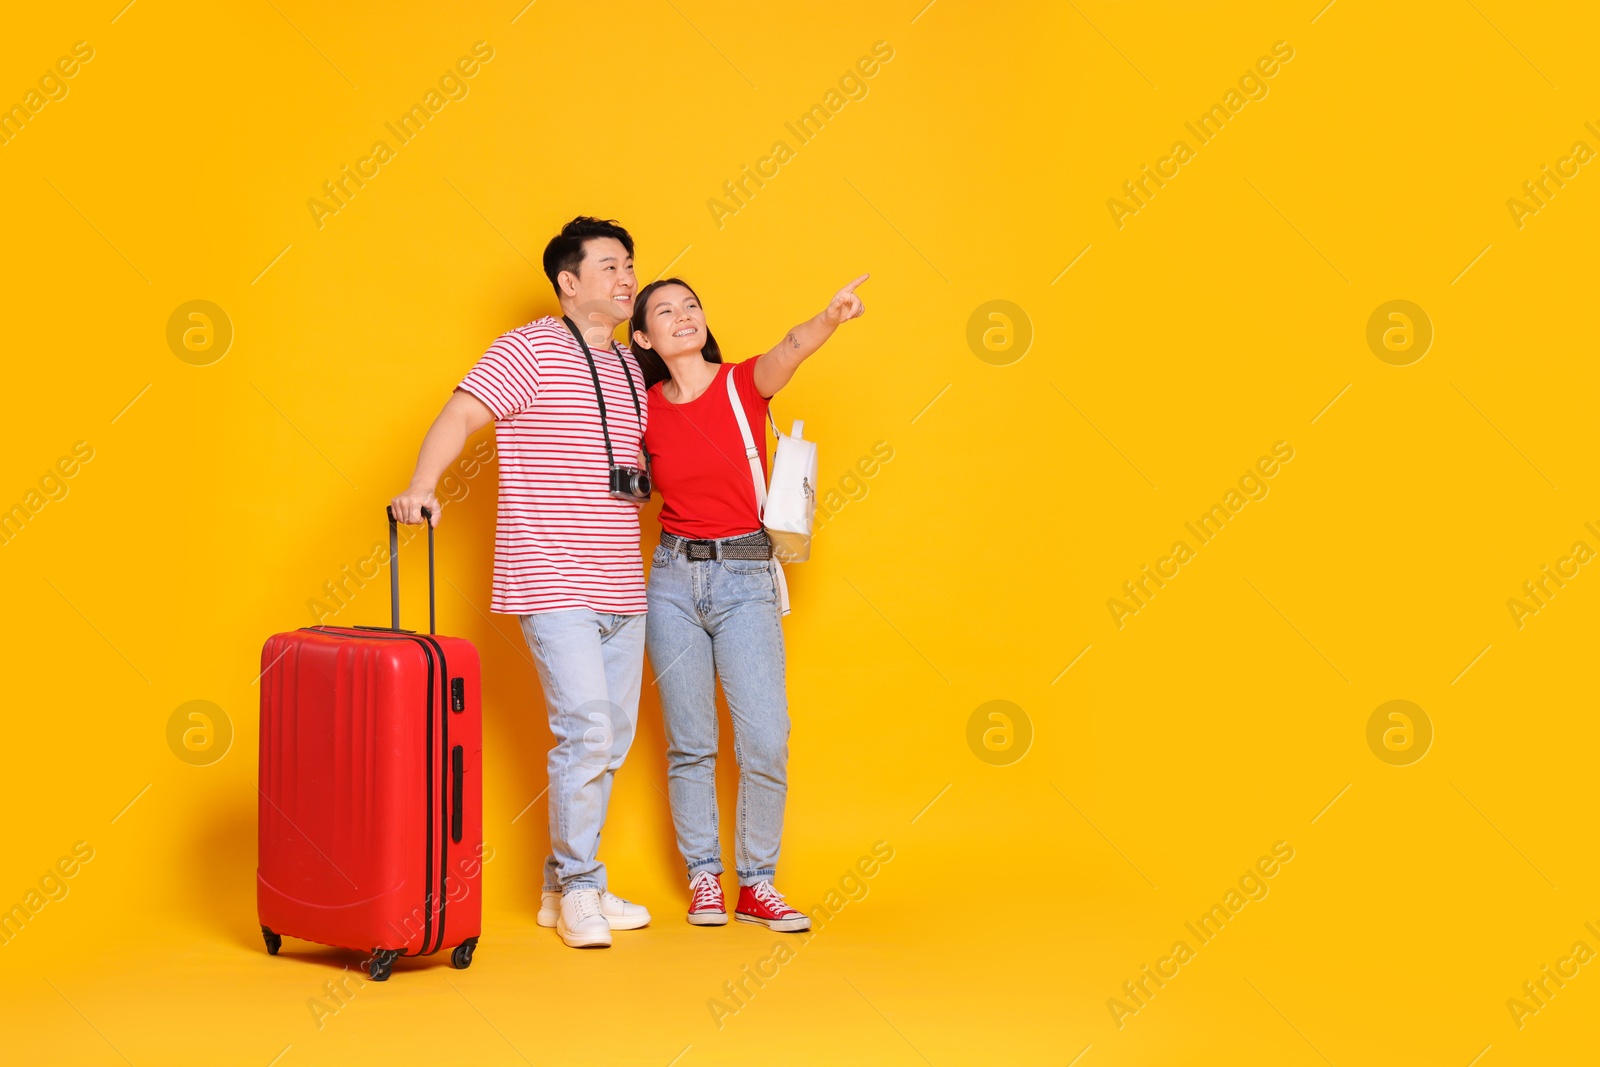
x: 382, y: 963
x: 461, y: 958
x: 274, y: 942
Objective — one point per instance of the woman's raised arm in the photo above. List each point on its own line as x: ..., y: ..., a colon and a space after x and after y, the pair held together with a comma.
x: 777, y: 366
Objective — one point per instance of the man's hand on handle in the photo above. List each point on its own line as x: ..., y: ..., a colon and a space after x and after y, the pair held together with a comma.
x: 407, y: 507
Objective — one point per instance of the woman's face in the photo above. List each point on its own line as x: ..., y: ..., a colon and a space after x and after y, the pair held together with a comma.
x: 673, y: 323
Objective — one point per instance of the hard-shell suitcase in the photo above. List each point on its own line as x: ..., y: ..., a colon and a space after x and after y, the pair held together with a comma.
x: 371, y: 790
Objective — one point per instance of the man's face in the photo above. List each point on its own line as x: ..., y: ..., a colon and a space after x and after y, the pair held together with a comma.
x: 604, y: 285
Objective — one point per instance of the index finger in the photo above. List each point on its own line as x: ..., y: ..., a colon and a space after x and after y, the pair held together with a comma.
x: 852, y: 286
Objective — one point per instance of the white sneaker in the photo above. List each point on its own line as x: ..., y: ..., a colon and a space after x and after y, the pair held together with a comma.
x: 580, y: 924
x: 623, y: 914
x: 620, y: 914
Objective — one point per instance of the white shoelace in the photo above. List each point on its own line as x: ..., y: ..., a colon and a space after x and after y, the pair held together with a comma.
x: 768, y: 894
x: 586, y: 903
x: 707, y: 892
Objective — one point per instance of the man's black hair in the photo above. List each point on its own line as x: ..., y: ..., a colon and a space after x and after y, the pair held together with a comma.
x: 565, y: 250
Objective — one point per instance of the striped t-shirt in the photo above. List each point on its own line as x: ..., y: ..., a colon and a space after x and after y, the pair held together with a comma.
x: 561, y: 541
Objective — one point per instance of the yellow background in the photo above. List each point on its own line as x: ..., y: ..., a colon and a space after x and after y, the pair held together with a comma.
x: 1223, y: 317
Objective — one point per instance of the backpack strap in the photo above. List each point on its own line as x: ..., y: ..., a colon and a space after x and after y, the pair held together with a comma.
x: 754, y: 456
x: 750, y: 451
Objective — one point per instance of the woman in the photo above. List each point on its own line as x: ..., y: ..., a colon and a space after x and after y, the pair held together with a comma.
x: 712, y: 594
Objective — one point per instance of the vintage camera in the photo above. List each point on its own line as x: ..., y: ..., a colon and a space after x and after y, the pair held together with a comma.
x: 630, y: 483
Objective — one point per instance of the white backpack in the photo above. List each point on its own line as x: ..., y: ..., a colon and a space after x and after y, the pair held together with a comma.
x: 787, y: 508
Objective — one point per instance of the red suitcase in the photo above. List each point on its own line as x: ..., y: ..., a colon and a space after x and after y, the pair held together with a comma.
x: 371, y: 791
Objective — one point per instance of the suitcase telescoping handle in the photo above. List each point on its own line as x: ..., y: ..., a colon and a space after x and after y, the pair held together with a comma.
x: 394, y: 570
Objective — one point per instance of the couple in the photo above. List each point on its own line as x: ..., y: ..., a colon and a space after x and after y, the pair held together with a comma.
x: 583, y: 427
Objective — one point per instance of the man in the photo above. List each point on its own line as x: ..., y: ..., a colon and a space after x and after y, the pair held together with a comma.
x: 566, y: 552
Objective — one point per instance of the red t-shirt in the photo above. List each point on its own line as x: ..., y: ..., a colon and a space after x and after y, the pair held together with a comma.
x: 697, y: 457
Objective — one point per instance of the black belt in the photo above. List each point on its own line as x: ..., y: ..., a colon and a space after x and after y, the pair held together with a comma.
x: 745, y: 546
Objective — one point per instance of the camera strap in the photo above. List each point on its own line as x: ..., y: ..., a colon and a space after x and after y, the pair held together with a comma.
x: 599, y: 397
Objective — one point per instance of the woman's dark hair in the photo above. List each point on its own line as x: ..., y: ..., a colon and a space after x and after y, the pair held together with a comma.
x: 654, y: 369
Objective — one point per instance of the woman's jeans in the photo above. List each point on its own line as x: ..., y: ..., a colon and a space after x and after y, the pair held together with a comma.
x: 712, y: 619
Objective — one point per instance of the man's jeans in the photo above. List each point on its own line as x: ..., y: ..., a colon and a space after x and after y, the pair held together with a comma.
x: 590, y: 664
x: 710, y: 619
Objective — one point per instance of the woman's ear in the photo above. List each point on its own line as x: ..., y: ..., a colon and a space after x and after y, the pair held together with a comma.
x: 640, y: 339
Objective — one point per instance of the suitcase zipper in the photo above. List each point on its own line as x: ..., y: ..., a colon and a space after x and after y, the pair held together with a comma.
x: 446, y: 817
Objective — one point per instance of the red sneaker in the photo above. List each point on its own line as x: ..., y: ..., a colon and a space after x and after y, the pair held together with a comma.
x: 705, y: 901
x: 761, y: 903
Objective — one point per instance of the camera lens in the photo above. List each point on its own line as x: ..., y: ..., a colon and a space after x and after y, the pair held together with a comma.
x: 630, y: 482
